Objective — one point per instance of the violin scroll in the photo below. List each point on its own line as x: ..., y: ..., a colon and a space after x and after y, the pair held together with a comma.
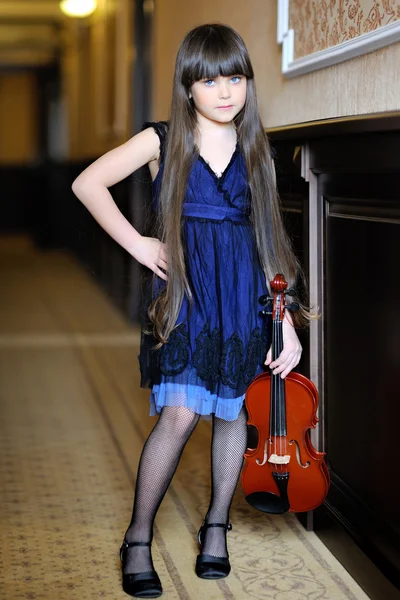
x: 278, y: 285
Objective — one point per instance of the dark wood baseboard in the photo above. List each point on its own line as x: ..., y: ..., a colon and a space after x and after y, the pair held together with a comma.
x: 373, y: 535
x: 354, y: 558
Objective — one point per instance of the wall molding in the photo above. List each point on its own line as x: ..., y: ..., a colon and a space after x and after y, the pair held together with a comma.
x: 367, y: 42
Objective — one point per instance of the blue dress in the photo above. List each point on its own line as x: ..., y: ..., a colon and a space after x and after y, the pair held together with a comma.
x: 220, y: 345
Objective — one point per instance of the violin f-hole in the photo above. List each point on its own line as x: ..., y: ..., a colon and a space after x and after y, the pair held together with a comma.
x: 265, y: 457
x: 298, y: 456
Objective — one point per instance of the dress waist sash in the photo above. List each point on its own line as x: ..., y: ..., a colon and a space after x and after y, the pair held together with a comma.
x: 218, y: 213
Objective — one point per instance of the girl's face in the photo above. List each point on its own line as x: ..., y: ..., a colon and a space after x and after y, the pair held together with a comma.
x: 219, y: 99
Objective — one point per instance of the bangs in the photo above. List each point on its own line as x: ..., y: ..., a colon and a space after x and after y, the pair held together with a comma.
x: 219, y: 53
x: 214, y: 64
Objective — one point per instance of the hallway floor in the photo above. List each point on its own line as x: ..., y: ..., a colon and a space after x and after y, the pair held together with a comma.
x: 73, y: 422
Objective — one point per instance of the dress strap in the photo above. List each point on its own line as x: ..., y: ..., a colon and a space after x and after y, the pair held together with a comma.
x: 161, y: 129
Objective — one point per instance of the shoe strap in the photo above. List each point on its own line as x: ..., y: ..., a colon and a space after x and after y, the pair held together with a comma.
x: 126, y: 544
x: 208, y: 558
x: 223, y: 525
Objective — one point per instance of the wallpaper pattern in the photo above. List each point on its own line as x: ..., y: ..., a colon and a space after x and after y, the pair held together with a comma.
x: 319, y: 24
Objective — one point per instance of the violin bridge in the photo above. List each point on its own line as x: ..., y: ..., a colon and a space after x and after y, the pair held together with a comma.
x: 279, y: 460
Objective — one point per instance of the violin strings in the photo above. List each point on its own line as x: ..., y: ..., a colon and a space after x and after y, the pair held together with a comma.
x: 278, y: 399
x: 280, y: 391
x: 275, y: 391
x: 272, y: 407
x: 275, y: 396
x: 282, y: 397
x: 283, y: 384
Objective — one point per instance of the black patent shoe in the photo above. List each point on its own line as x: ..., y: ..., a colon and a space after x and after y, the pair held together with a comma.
x: 139, y: 585
x: 208, y: 566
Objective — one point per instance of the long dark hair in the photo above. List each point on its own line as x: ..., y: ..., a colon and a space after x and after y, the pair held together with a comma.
x: 207, y: 52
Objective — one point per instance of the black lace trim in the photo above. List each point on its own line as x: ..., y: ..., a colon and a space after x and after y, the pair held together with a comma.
x: 161, y: 129
x: 175, y: 354
x: 256, y: 354
x: 231, y: 362
x: 219, y: 178
x: 206, y: 356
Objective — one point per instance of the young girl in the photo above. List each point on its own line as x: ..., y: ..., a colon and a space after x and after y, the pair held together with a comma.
x: 220, y: 239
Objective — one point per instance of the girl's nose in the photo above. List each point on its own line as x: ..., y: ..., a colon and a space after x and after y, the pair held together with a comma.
x: 224, y: 91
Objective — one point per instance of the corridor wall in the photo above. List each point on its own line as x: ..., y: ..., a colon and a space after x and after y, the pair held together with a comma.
x: 363, y: 85
x: 18, y: 129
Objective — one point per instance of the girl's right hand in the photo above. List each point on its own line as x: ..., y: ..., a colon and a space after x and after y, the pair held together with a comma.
x: 151, y: 253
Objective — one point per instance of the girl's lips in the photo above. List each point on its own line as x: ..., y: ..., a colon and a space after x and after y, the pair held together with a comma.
x: 225, y: 107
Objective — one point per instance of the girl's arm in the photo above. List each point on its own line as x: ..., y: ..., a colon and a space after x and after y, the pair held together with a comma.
x: 91, y: 187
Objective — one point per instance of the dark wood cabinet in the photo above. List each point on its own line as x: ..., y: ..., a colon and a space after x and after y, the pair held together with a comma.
x: 353, y: 238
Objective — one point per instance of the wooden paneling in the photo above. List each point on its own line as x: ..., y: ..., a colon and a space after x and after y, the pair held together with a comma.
x: 358, y: 179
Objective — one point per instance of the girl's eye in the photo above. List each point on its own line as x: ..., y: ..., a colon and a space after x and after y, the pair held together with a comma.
x: 209, y: 82
x: 236, y: 79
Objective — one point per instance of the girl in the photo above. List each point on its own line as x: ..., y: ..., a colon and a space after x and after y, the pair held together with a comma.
x: 220, y: 238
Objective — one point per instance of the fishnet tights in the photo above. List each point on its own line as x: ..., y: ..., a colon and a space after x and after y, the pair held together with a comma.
x: 229, y: 440
x: 158, y: 463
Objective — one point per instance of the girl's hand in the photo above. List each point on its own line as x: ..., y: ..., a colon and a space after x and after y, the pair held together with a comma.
x: 151, y: 253
x: 291, y: 353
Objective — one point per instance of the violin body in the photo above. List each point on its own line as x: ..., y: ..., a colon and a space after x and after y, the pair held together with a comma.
x: 283, y: 472
x: 308, y: 480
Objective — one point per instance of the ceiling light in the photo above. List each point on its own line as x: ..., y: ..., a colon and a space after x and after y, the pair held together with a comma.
x: 78, y: 8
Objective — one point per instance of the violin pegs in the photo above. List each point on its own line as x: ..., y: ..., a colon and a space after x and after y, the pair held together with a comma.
x: 293, y: 307
x: 265, y: 299
x: 291, y: 292
x: 264, y: 312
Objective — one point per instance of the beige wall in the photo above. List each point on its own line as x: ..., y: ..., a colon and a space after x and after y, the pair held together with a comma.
x: 97, y: 63
x: 18, y: 104
x: 368, y: 84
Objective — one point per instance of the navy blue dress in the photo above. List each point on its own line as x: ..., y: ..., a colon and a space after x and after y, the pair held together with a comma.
x: 220, y: 345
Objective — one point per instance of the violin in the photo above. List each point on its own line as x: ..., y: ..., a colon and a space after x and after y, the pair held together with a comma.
x: 284, y: 472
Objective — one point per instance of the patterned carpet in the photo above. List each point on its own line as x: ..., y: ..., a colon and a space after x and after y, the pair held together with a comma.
x: 73, y: 422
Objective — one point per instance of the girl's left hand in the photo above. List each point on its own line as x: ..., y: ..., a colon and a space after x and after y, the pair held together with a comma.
x: 290, y: 355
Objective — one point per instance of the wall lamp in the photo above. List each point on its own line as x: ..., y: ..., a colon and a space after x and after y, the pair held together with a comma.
x: 78, y: 8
